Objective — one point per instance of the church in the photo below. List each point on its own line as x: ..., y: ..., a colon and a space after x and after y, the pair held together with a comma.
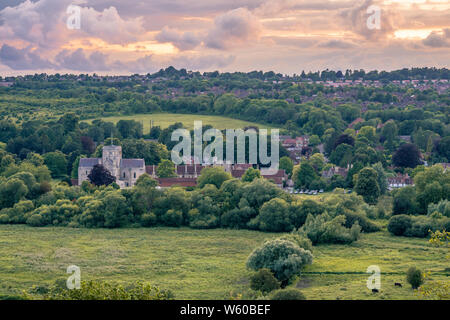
x: 126, y: 171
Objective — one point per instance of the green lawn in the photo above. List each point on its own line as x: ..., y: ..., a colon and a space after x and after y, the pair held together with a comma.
x: 166, y: 119
x: 204, y: 264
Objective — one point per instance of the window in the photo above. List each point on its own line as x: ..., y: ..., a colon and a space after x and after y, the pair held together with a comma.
x: 124, y: 174
x: 134, y: 175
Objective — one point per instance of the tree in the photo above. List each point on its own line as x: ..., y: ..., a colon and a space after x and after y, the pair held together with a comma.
x: 414, y: 277
x: 342, y: 155
x: 273, y: 216
x: 367, y: 185
x: 283, y: 258
x: 304, y: 175
x: 251, y: 174
x: 215, y: 176
x: 264, y: 281
x: 166, y: 169
x: 317, y: 160
x: 444, y: 147
x: 100, y: 176
x: 287, y: 165
x: 11, y: 191
x: 382, y: 179
x: 407, y: 156
x: 344, y: 138
x: 405, y: 201
x: 56, y: 163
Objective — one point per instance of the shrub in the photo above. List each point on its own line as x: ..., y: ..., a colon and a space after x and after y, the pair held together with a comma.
x: 399, y: 224
x: 284, y: 258
x: 172, y: 218
x: 324, y: 229
x: 148, y: 219
x: 273, y: 216
x: 264, y: 281
x: 237, y: 217
x: 414, y: 277
x: 96, y: 290
x: 300, y: 240
x: 442, y: 207
x: 288, y: 294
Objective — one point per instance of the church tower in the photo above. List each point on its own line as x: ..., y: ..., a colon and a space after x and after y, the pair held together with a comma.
x: 112, y: 155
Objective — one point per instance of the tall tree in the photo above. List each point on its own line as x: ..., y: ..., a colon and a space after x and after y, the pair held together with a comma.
x: 100, y: 176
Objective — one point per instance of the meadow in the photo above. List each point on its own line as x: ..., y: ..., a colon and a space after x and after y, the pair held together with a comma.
x: 205, y: 264
x: 164, y: 120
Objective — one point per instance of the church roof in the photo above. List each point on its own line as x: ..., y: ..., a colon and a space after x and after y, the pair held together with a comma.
x: 89, y: 162
x: 132, y: 163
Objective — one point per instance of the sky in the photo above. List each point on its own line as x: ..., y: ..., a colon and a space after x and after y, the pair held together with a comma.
x: 286, y: 36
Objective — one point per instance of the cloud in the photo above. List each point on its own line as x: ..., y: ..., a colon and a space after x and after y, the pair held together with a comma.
x: 202, y: 62
x: 438, y: 40
x: 183, y: 41
x: 235, y: 27
x: 337, y: 44
x: 43, y: 23
x: 355, y: 20
x: 109, y: 26
x: 78, y: 60
x: 22, y: 59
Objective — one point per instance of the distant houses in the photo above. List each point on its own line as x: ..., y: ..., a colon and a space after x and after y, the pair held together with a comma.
x: 187, y: 174
x: 399, y: 181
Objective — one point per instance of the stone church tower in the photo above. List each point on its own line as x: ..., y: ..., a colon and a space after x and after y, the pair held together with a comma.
x: 112, y: 155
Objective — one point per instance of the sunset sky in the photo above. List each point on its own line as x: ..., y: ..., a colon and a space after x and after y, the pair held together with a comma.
x: 286, y: 36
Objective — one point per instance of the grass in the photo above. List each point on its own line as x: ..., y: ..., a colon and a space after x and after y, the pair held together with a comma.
x: 164, y: 120
x: 204, y: 264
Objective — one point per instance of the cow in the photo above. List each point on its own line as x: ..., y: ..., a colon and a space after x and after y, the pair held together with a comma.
x: 398, y: 284
x: 375, y: 291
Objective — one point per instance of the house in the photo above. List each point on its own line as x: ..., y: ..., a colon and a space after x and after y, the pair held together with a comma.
x: 126, y: 171
x: 328, y: 174
x: 355, y: 122
x: 400, y: 181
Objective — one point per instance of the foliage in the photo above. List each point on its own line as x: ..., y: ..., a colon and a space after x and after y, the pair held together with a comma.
x: 284, y: 258
x: 414, y: 277
x: 214, y: 175
x: 97, y: 290
x: 287, y: 294
x: 100, y: 176
x: 367, y: 185
x: 264, y: 281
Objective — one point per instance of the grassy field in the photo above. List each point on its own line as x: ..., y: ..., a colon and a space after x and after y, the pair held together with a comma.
x: 166, y: 119
x: 204, y: 264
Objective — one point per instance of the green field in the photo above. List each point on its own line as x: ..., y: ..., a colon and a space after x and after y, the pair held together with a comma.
x: 166, y: 119
x: 205, y: 264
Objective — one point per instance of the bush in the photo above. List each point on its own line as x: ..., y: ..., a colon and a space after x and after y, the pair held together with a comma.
x: 442, y: 207
x: 414, y: 277
x: 284, y: 258
x: 264, y: 281
x: 96, y: 290
x: 325, y: 229
x: 398, y: 225
x: 172, y: 218
x: 148, y: 219
x: 302, y: 241
x: 419, y: 226
x: 288, y: 294
x: 273, y: 217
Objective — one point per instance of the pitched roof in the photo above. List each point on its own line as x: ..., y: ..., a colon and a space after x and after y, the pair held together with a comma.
x: 89, y: 162
x: 132, y: 163
x: 182, y: 182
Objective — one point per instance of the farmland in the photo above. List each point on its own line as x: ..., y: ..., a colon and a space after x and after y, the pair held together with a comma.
x: 205, y: 264
x: 164, y: 120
